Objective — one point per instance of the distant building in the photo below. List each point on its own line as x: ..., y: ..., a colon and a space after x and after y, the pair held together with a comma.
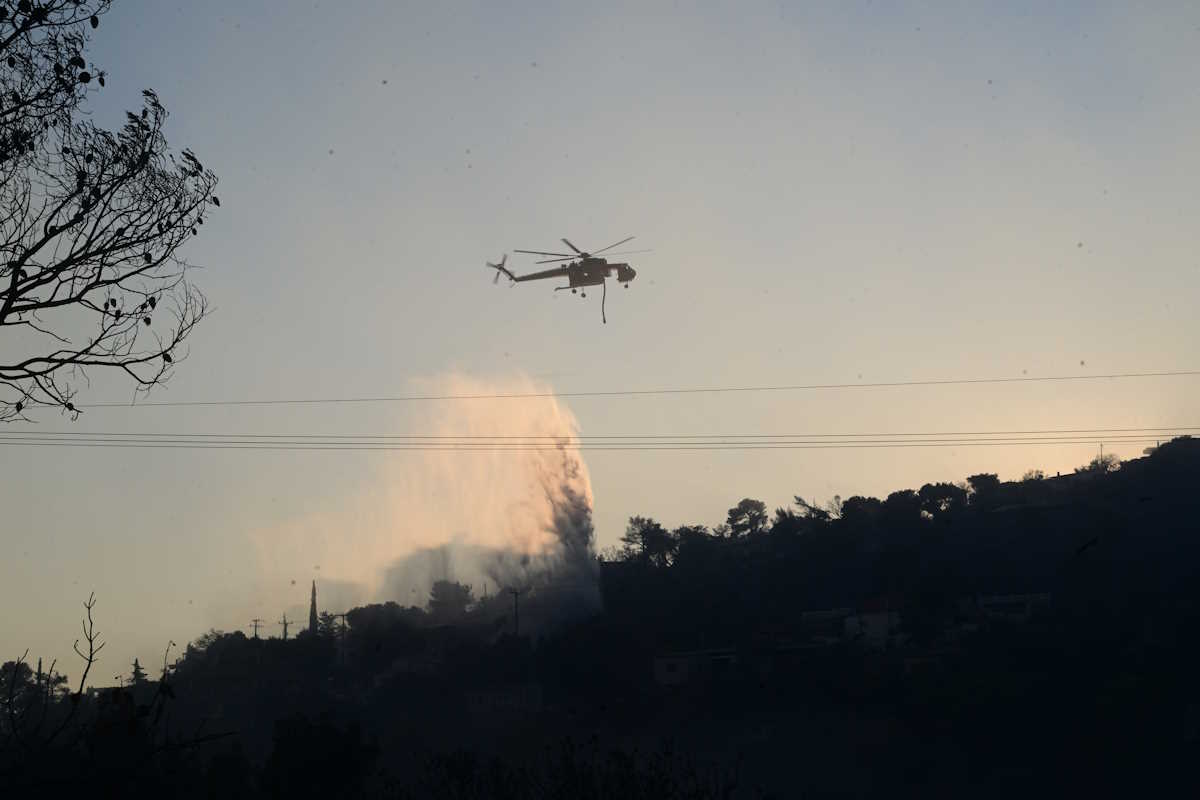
x: 759, y: 661
x: 818, y: 617
x: 518, y: 698
x: 423, y: 664
x: 874, y: 629
x: 875, y: 624
x: 825, y: 625
x: 679, y: 669
x: 926, y: 662
x: 1012, y: 607
x: 142, y: 692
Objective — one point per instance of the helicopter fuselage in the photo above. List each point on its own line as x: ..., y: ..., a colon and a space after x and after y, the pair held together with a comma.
x: 594, y: 271
x: 581, y: 270
x: 585, y: 272
x: 590, y: 272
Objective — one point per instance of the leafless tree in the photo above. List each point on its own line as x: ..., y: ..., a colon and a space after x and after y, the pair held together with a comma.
x: 47, y: 740
x: 91, y: 221
x: 23, y: 728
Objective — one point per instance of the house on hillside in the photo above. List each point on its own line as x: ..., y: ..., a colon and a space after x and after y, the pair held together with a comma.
x: 875, y: 624
x: 520, y: 698
x: 1011, y: 607
x: 825, y: 626
x: 760, y: 660
x: 928, y: 661
x: 424, y: 664
x: 694, y: 666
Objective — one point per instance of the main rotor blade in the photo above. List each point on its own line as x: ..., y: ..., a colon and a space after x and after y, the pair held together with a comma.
x: 544, y: 253
x: 611, y: 246
x: 573, y: 247
x: 555, y: 260
x: 628, y: 252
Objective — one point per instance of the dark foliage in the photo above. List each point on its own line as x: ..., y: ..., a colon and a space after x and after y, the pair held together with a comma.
x: 958, y: 640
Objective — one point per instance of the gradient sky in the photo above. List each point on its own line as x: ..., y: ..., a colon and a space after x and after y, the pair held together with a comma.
x: 834, y: 193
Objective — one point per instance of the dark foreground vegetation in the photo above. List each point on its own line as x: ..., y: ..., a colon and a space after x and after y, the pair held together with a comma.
x: 982, y: 639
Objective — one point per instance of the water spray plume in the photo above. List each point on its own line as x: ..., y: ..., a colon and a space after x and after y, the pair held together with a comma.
x: 511, y: 519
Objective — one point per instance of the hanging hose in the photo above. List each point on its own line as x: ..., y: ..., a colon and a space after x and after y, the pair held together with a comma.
x: 603, y: 297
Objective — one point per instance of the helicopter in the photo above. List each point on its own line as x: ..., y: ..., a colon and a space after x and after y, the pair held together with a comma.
x: 582, y: 270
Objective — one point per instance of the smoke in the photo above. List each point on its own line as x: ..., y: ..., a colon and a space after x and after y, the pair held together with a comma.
x: 519, y: 518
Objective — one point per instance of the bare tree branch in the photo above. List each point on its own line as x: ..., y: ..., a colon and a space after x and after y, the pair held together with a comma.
x: 91, y: 222
x: 89, y: 658
x: 43, y: 74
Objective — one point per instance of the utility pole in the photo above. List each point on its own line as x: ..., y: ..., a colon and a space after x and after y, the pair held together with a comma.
x: 255, y: 623
x: 312, y: 610
x: 284, y: 623
x: 516, y: 593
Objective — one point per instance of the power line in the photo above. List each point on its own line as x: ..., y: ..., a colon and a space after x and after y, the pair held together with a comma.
x: 551, y: 438
x: 645, y: 392
x: 470, y: 445
x: 642, y: 447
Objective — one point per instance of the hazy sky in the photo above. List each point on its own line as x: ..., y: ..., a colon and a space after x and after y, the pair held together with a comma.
x: 837, y: 193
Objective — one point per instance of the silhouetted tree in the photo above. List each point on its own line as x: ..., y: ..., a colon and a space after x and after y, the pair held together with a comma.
x: 902, y: 507
x: 748, y: 517
x: 1101, y: 465
x: 16, y: 687
x: 449, y: 600
x: 20, y: 685
x: 25, y: 693
x: 137, y: 675
x: 985, y: 487
x: 787, y: 525
x: 1033, y: 475
x: 861, y: 511
x: 694, y: 545
x: 646, y: 540
x: 204, y: 640
x: 815, y: 512
x: 938, y: 499
x: 327, y: 624
x: 91, y: 222
x: 57, y: 685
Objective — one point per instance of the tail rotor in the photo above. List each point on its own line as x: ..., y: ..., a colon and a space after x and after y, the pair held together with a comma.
x: 500, y: 268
